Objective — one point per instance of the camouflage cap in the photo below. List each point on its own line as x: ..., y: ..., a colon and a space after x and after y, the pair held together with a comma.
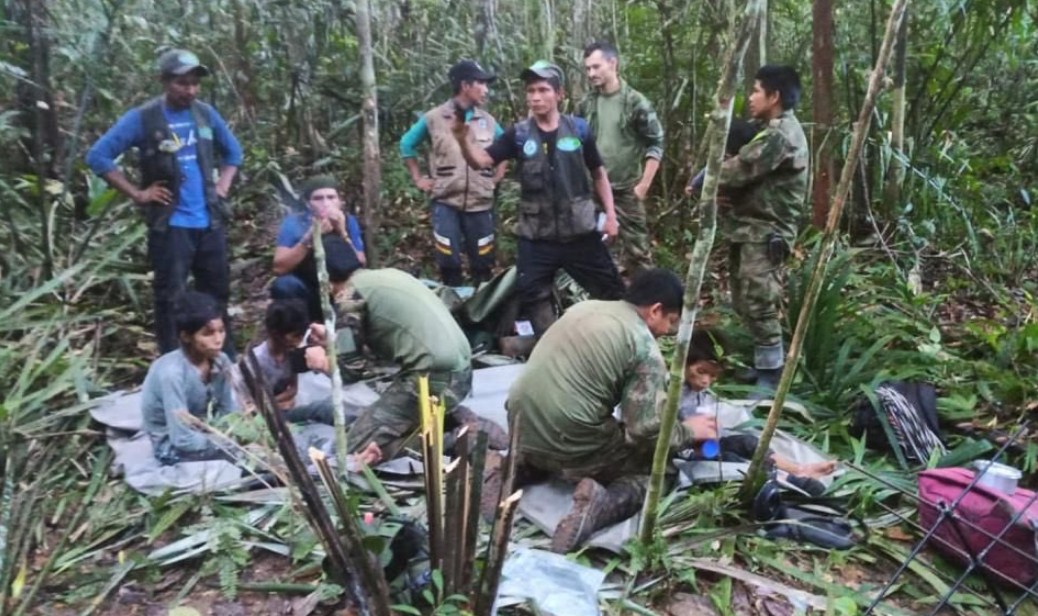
x: 181, y: 62
x: 542, y: 69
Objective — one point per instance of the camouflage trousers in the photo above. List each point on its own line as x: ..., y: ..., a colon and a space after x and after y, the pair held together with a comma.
x: 616, y: 462
x: 757, y: 283
x: 632, y: 250
x: 393, y: 419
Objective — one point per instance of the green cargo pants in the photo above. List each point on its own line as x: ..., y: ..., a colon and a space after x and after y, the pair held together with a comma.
x: 632, y: 249
x: 394, y: 418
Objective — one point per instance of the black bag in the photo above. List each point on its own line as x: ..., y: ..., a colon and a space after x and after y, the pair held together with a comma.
x: 813, y: 520
x: 901, y: 417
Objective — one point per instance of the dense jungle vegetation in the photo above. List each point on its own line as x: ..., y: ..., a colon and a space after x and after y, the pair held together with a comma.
x: 935, y: 277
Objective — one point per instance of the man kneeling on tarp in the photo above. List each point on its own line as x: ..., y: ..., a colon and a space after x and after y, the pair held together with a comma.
x: 600, y: 355
x: 400, y: 321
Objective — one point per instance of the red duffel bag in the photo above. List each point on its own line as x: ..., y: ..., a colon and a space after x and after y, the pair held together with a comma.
x: 982, y: 515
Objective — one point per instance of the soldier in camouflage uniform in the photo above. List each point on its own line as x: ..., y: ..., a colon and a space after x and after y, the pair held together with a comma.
x: 630, y: 139
x: 600, y: 355
x: 767, y: 181
x: 400, y: 320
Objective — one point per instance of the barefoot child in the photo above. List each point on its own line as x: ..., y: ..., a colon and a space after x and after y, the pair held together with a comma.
x: 702, y: 368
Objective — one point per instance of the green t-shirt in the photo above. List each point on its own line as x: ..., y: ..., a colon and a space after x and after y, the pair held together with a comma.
x: 626, y: 130
x: 600, y: 354
x: 620, y: 150
x: 405, y: 322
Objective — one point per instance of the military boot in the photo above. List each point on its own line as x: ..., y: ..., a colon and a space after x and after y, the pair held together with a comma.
x: 596, y: 507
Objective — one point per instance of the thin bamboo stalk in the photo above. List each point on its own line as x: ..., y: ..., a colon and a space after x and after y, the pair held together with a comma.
x: 432, y: 458
x: 338, y: 412
x: 717, y: 135
x: 371, y: 576
x: 861, y: 129
x: 315, y: 512
x: 496, y: 553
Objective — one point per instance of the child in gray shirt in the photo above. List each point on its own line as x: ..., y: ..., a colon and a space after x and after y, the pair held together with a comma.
x: 194, y: 379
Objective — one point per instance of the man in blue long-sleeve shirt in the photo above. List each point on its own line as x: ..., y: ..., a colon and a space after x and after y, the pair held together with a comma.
x: 182, y: 186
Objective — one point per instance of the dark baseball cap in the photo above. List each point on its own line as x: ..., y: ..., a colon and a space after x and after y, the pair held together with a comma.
x: 181, y: 62
x: 469, y: 70
x: 542, y: 69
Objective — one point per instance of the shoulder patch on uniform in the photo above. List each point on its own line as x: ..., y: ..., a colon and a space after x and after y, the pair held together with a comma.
x: 530, y: 147
x: 205, y: 132
x: 569, y: 144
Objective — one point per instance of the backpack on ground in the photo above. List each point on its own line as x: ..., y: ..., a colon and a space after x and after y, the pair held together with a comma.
x: 902, y: 417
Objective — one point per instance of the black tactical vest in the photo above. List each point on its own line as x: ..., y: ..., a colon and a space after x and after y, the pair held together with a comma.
x: 554, y: 191
x: 157, y: 165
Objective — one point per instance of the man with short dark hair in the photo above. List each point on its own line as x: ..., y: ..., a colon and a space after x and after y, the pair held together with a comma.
x: 557, y: 225
x: 630, y: 138
x: 462, y: 199
x: 767, y: 181
x: 179, y: 139
x: 294, y: 262
x: 599, y: 356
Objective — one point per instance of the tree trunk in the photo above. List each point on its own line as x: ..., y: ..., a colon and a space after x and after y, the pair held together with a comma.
x: 825, y: 250
x: 896, y: 169
x: 372, y: 180
x: 822, y: 26
x: 38, y: 104
x: 717, y: 134
x: 486, y: 26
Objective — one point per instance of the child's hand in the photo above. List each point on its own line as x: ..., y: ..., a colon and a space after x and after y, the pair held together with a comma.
x: 317, y: 334
x: 317, y: 359
x: 286, y: 399
x: 703, y: 427
x: 370, y: 454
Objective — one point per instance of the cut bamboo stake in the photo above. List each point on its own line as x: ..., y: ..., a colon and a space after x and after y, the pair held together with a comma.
x: 451, y: 533
x: 315, y: 512
x: 496, y: 552
x: 456, y: 513
x: 718, y: 135
x: 338, y: 412
x: 432, y: 458
x: 371, y: 576
x: 478, y: 456
x: 861, y: 129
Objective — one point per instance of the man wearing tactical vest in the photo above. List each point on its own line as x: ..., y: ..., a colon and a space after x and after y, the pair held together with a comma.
x: 179, y: 139
x: 462, y: 198
x: 557, y: 222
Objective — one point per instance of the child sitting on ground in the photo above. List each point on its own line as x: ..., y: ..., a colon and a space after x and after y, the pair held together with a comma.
x: 702, y: 368
x: 283, y: 355
x: 280, y: 355
x: 194, y: 379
